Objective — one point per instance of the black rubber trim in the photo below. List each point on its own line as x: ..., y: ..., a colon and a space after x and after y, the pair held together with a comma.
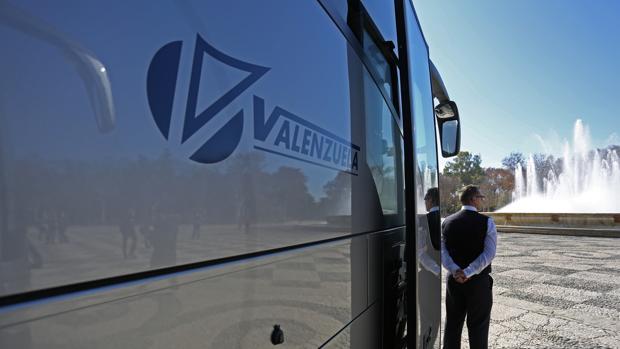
x: 63, y: 290
x: 410, y: 163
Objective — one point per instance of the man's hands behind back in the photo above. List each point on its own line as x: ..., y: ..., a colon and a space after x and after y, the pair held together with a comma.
x: 460, y: 277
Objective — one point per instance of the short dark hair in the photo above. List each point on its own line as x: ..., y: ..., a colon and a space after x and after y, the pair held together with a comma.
x: 433, y: 195
x: 467, y: 193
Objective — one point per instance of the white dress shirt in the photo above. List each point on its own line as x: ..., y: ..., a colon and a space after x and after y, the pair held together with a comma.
x: 483, y: 260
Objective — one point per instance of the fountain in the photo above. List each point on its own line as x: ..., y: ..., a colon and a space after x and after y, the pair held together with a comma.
x: 588, y: 183
x: 583, y: 191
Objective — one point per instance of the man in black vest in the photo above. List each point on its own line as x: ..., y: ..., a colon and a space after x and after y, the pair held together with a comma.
x: 467, y: 249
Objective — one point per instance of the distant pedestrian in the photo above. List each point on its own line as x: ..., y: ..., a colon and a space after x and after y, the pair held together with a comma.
x: 468, y: 247
x: 164, y: 240
x: 247, y: 207
x: 61, y: 226
x: 197, y: 222
x: 127, y: 228
x: 48, y: 227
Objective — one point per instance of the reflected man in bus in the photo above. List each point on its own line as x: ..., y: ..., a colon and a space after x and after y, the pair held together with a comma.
x: 468, y: 247
x: 431, y: 201
x: 429, y: 272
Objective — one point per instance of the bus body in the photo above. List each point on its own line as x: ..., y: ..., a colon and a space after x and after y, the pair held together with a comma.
x: 218, y: 174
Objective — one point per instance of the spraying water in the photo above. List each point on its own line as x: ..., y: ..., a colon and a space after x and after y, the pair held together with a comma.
x: 589, y: 181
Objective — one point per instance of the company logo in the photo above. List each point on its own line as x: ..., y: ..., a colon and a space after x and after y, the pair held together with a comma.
x: 282, y: 132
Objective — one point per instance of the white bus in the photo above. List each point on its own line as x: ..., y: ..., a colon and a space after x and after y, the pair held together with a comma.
x: 219, y: 174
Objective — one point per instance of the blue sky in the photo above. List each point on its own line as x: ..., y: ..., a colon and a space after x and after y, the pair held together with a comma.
x: 523, y: 71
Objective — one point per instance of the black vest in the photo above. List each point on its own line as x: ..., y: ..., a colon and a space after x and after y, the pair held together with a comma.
x: 434, y: 229
x: 464, y: 233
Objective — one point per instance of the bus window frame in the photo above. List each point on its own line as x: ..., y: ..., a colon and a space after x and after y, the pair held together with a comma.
x: 361, y: 22
x: 402, y: 7
x: 356, y: 45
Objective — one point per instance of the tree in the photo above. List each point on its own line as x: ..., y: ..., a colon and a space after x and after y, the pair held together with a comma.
x: 466, y: 167
x: 463, y: 170
x: 497, y: 185
x: 511, y: 161
x: 337, y: 200
x: 448, y: 196
x: 290, y: 191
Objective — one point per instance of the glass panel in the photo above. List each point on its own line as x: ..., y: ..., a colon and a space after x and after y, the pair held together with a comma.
x: 379, y: 63
x: 425, y: 174
x: 135, y: 136
x: 448, y: 136
x: 382, y: 12
x: 383, y: 148
x: 360, y: 28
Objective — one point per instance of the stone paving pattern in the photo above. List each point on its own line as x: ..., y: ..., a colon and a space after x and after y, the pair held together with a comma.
x: 554, y: 292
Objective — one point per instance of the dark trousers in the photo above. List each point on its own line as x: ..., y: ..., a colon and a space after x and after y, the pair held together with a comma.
x: 473, y: 300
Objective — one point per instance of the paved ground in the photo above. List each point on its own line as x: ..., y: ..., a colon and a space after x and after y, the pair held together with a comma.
x: 555, y: 292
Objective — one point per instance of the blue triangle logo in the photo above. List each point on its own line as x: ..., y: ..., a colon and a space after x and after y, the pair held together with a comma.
x: 194, y: 122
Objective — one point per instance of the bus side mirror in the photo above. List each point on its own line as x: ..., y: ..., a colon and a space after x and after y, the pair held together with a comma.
x: 449, y: 128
